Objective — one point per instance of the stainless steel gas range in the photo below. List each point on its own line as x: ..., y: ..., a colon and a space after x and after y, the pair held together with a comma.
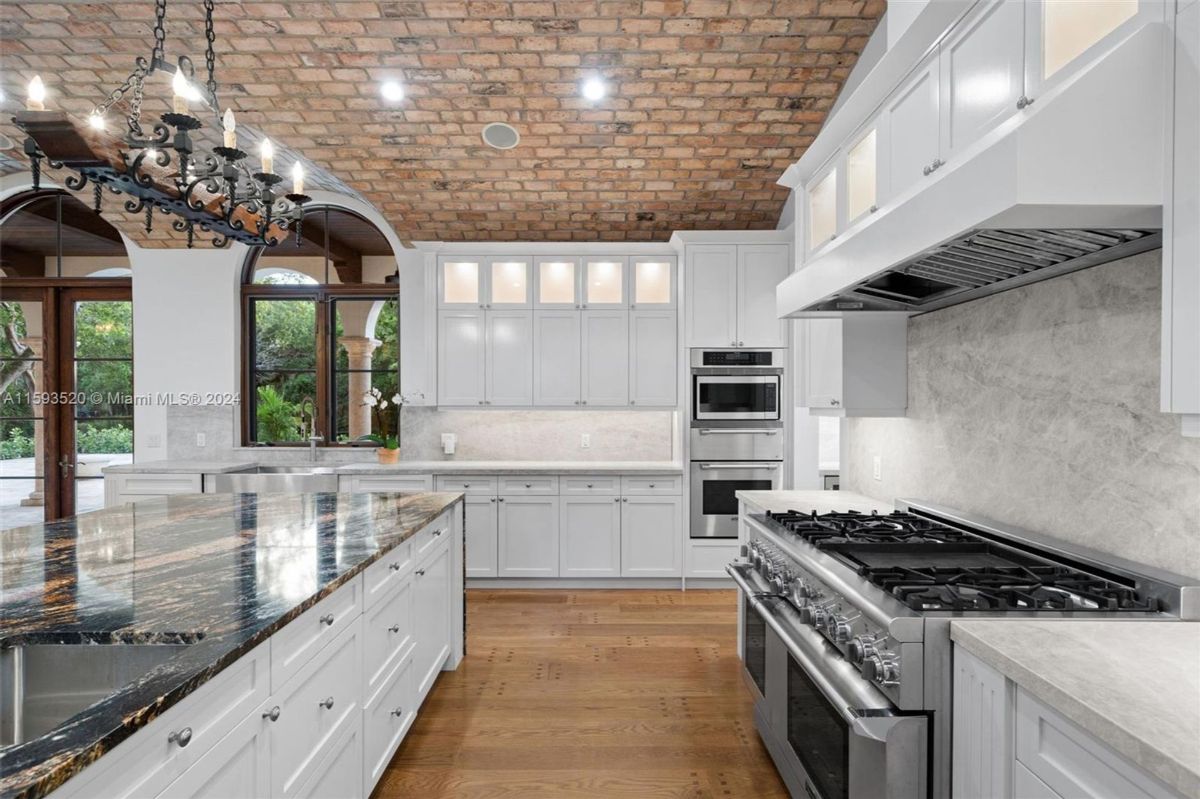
x: 844, y: 632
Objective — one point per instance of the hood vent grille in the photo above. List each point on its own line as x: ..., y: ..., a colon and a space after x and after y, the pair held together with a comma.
x: 985, y: 261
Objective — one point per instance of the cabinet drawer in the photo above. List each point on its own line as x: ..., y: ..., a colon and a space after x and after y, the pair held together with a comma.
x: 467, y: 484
x: 1070, y: 761
x: 365, y: 484
x: 387, y: 635
x: 634, y: 486
x: 388, y: 571
x: 147, y: 763
x: 589, y: 484
x: 141, y: 484
x: 544, y: 485
x: 386, y: 720
x: 710, y: 561
x: 302, y: 638
x: 315, y: 706
x: 429, y: 536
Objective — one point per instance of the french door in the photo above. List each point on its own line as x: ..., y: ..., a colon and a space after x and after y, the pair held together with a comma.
x: 68, y: 412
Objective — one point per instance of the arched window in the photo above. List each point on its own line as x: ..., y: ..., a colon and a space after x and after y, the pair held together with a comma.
x: 321, y: 330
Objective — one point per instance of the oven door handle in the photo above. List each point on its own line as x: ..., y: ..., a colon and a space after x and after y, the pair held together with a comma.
x: 848, y: 693
x: 737, y: 431
x: 743, y: 576
x: 767, y: 466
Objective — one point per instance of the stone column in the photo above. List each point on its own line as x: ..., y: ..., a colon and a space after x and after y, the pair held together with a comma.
x: 359, y: 350
x: 37, y: 497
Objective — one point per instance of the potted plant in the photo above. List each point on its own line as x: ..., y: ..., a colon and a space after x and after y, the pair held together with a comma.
x: 385, y: 423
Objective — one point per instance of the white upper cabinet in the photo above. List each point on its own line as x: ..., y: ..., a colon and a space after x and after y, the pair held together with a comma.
x: 653, y: 356
x: 1061, y: 33
x: 509, y: 358
x: 761, y: 267
x: 462, y: 355
x: 854, y: 366
x: 982, y: 73
x: 712, y: 303
x: 556, y: 348
x: 912, y: 123
x: 460, y: 282
x: 863, y: 176
x: 605, y: 358
x: 653, y: 282
x: 605, y: 283
x: 556, y: 282
x: 509, y: 283
x: 823, y: 208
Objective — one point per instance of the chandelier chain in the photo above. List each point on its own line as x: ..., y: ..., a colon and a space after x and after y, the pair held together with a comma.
x: 210, y: 55
x: 158, y: 54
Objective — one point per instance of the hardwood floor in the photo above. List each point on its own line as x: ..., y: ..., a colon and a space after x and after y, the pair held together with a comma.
x: 589, y: 694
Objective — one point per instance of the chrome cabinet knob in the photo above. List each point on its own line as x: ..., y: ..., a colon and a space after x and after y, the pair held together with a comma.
x: 616, y: 499
x: 272, y: 714
x: 420, y: 572
x: 436, y: 533
x: 589, y: 485
x: 835, y: 402
x: 741, y: 343
x: 398, y: 711
x: 394, y: 567
x: 1024, y: 102
x: 528, y: 485
x: 182, y: 737
x: 327, y: 618
x: 652, y: 485
x: 499, y: 499
x: 926, y: 170
x: 326, y: 703
x: 395, y: 628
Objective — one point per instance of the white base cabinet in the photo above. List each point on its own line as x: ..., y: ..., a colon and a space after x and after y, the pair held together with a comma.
x: 482, y: 536
x: 591, y: 537
x: 237, y: 766
x: 527, y: 537
x: 651, y: 545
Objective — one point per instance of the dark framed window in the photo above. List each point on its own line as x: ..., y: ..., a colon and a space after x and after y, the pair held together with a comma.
x: 321, y: 327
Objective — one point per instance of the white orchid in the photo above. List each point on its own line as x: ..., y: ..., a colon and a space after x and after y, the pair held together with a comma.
x: 396, y: 399
x: 383, y: 405
x: 370, y: 399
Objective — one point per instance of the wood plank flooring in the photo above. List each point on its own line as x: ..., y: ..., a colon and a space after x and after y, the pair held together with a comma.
x: 572, y: 694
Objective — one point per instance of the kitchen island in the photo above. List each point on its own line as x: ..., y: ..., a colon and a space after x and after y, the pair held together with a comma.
x: 252, y: 605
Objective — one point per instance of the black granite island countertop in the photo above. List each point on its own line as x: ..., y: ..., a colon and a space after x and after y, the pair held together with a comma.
x: 221, y: 572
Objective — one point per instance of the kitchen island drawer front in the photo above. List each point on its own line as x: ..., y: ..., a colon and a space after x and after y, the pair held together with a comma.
x: 149, y: 761
x: 365, y: 484
x: 636, y: 486
x: 339, y: 775
x: 479, y: 485
x: 543, y: 485
x: 386, y: 720
x: 300, y: 640
x: 427, y: 539
x: 387, y: 636
x: 584, y: 484
x: 1073, y: 763
x: 383, y: 574
x: 158, y: 484
x: 315, y: 707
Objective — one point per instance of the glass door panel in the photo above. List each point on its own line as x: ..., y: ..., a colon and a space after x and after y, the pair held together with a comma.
x: 822, y: 210
x: 604, y: 283
x: 508, y: 279
x: 557, y: 282
x: 653, y: 283
x: 860, y: 177
x: 22, y: 424
x: 459, y: 284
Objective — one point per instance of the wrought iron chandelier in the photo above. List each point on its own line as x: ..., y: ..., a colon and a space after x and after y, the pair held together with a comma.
x: 213, y: 192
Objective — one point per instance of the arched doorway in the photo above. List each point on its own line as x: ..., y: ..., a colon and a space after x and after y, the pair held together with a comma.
x: 66, y: 357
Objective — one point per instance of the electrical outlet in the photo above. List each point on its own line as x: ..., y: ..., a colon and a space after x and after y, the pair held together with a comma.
x: 201, y: 440
x: 154, y: 441
x: 877, y: 467
x: 585, y: 440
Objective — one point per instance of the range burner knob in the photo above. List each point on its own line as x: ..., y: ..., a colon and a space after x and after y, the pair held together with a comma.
x: 861, y: 648
x: 882, y: 670
x: 819, y: 616
x: 837, y: 628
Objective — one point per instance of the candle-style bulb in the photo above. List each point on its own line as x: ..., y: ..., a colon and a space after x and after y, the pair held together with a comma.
x: 230, y: 125
x: 297, y: 178
x: 180, y: 85
x: 35, y: 100
x: 268, y: 156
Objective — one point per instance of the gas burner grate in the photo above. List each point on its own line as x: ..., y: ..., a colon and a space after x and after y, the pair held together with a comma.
x: 827, y: 529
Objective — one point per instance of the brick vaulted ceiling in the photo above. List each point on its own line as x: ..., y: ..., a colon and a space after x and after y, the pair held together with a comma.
x: 710, y: 100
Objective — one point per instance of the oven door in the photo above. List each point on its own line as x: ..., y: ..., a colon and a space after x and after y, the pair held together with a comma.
x: 831, y: 733
x: 752, y: 629
x: 714, y: 505
x: 735, y: 397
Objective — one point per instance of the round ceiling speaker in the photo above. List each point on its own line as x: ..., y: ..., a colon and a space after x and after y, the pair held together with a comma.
x: 501, y: 135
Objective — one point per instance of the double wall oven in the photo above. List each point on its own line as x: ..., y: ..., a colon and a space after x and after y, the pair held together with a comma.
x: 736, y: 434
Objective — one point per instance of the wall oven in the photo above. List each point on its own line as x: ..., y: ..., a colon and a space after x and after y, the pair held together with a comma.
x: 714, y: 484
x: 831, y: 735
x: 736, y: 385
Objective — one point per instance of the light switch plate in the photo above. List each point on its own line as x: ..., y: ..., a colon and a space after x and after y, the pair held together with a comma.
x: 585, y: 440
x: 201, y: 440
x: 877, y: 467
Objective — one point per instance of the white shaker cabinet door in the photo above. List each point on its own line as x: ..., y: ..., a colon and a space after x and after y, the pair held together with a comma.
x: 822, y: 363
x: 605, y: 358
x: 653, y: 358
x: 556, y: 349
x: 340, y: 775
x: 651, y: 537
x: 760, y: 269
x: 712, y: 304
x: 912, y: 124
x: 480, y: 533
x: 509, y: 358
x: 462, y: 355
x: 238, y: 767
x: 591, y: 537
x: 528, y: 536
x: 431, y: 618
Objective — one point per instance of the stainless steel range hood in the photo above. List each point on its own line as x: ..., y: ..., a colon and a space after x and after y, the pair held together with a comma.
x: 1067, y: 183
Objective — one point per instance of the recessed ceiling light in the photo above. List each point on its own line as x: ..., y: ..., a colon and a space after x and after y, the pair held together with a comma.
x: 501, y: 135
x: 594, y: 89
x: 392, y: 91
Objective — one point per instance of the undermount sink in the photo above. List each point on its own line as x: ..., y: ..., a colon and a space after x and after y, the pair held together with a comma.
x: 43, y: 685
x: 301, y: 479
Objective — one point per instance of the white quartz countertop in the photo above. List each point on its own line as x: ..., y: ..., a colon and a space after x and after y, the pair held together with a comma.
x: 820, y: 501
x: 1135, y: 685
x: 416, y: 467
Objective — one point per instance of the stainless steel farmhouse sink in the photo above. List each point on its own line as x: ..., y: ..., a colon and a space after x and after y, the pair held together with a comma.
x: 43, y: 685
x: 273, y: 480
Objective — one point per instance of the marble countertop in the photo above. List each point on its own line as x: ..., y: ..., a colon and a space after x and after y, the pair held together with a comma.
x: 820, y: 501
x: 415, y: 467
x: 1135, y: 685
x: 221, y: 572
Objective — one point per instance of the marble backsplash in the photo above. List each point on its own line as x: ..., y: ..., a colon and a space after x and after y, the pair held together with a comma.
x: 520, y: 435
x: 1038, y: 407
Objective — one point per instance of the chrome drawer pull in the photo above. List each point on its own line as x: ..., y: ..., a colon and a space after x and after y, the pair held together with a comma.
x: 395, y: 628
x: 439, y: 532
x: 420, y: 572
x: 327, y: 618
x: 182, y: 737
x: 394, y: 567
x: 398, y: 711
x: 272, y: 714
x: 326, y: 703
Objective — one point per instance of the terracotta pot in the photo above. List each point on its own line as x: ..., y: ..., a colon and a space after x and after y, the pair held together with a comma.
x: 388, y: 455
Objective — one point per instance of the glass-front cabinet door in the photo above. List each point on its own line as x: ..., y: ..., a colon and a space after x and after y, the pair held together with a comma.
x: 508, y: 283
x: 460, y: 282
x: 653, y: 282
x: 556, y: 282
x: 605, y: 282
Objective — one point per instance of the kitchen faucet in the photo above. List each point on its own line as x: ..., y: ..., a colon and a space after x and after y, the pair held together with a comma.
x: 308, y: 420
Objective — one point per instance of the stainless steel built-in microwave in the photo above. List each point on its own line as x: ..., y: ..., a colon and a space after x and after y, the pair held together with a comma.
x: 736, y: 385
